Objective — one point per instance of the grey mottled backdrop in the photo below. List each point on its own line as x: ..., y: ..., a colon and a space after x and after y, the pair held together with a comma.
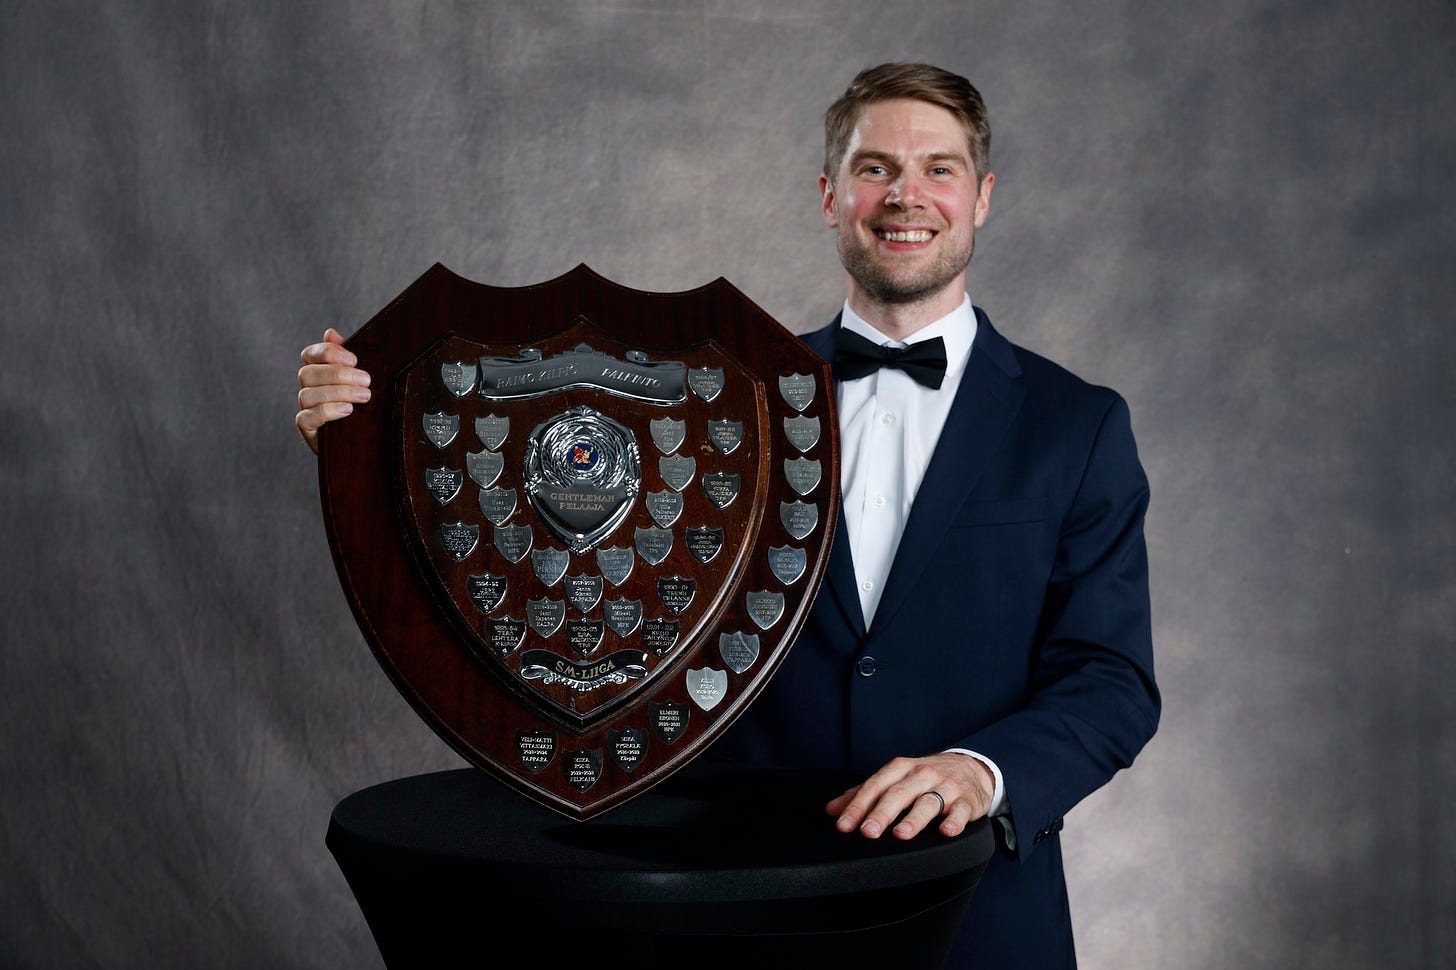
x: 1238, y: 213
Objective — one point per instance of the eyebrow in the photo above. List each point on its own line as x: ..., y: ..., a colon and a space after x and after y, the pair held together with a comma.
x: 871, y: 155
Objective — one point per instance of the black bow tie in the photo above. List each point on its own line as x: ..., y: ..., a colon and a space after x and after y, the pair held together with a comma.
x: 856, y: 357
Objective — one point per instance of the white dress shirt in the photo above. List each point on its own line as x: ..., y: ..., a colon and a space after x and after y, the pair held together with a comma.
x: 888, y: 427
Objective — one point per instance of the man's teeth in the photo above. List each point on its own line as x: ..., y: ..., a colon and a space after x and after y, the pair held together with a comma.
x: 909, y: 235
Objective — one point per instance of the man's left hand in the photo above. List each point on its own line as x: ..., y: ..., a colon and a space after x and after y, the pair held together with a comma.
x: 911, y: 784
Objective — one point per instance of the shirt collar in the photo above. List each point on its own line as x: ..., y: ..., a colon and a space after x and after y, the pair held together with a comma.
x: 957, y: 328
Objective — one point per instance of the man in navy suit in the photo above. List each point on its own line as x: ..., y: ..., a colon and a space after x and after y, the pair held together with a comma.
x: 982, y: 645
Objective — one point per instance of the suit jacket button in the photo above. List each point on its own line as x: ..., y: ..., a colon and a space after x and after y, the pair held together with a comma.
x: 867, y: 666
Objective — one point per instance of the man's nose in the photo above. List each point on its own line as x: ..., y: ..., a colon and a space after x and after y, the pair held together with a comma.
x: 904, y: 192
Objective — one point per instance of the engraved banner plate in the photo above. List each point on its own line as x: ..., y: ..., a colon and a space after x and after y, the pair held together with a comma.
x: 566, y: 591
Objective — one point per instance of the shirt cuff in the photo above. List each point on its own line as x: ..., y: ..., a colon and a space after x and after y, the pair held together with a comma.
x: 999, y: 804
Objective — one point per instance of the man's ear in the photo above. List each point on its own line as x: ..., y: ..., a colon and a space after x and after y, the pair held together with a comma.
x: 826, y: 198
x: 983, y: 198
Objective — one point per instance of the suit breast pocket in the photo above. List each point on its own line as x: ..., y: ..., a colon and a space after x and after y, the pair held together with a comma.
x: 1015, y: 511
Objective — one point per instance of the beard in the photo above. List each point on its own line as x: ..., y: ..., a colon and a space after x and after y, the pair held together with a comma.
x: 885, y: 283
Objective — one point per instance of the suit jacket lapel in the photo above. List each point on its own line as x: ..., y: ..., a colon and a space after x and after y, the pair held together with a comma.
x: 840, y: 575
x: 985, y: 404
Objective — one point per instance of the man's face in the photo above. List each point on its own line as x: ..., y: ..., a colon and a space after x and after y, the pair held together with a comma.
x: 906, y: 204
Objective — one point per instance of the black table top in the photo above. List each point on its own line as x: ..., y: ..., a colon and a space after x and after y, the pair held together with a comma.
x: 711, y: 831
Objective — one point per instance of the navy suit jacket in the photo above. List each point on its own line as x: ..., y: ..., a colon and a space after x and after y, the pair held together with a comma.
x: 1014, y: 622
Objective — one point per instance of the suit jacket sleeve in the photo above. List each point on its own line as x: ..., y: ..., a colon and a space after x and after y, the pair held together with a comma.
x: 1093, y: 703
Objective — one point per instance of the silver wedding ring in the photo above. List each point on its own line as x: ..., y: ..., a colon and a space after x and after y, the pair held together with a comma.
x: 939, y: 799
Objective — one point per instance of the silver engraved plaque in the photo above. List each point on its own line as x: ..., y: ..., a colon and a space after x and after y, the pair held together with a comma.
x: 799, y: 518
x: 623, y: 616
x: 797, y: 390
x: 676, y: 593
x: 653, y: 545
x: 545, y: 616
x: 722, y: 489
x: 628, y: 746
x: 498, y: 504
x: 765, y: 608
x: 583, y: 591
x: 667, y: 434
x: 492, y: 431
x: 802, y: 432
x: 668, y: 720
x: 582, y: 475
x: 535, y: 749
x: 704, y: 543
x: 444, y: 484
x: 505, y: 634
x: 706, y: 382
x: 458, y: 539
x: 513, y: 541
x: 582, y: 768
x: 584, y: 636
x: 486, y: 591
x: 550, y: 564
x: 485, y: 467
x: 787, y: 563
x: 531, y: 374
x: 440, y: 428
x: 803, y: 474
x: 458, y: 378
x: 725, y: 435
x: 677, y: 471
x: 664, y: 506
x: 707, y: 687
x: 660, y: 635
x: 738, y: 650
x: 615, y: 562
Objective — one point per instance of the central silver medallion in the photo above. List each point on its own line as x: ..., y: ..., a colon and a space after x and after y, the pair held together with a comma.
x: 582, y: 475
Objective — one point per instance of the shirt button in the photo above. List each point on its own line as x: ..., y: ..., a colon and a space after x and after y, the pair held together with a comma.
x: 867, y: 666
x: 867, y: 585
x: 887, y: 418
x: 879, y: 501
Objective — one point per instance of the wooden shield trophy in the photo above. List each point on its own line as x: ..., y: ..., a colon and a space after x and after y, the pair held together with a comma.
x: 580, y: 525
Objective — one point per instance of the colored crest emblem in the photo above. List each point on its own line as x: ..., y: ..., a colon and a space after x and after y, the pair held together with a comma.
x: 565, y: 591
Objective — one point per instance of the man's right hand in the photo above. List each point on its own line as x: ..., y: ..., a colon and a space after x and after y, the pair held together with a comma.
x: 329, y: 385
